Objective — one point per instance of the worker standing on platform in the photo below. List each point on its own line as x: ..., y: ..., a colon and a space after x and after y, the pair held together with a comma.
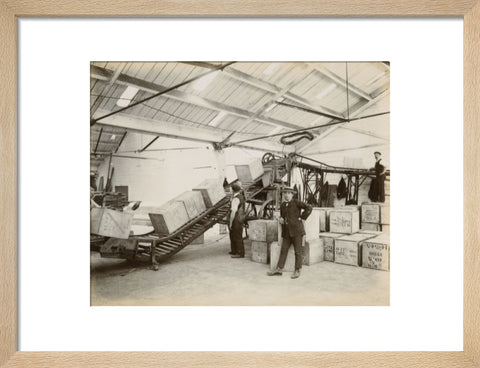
x: 236, y: 219
x: 380, y: 171
x: 292, y: 212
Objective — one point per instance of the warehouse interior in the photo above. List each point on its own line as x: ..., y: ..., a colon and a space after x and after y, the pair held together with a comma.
x: 159, y: 130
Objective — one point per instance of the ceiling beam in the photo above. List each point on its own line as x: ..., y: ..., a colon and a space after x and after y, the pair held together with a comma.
x: 98, y: 140
x: 356, y: 113
x: 269, y: 87
x: 364, y: 132
x: 339, y: 81
x: 349, y: 149
x: 121, y: 141
x: 174, y: 130
x: 104, y: 74
x: 106, y: 88
x: 272, y: 100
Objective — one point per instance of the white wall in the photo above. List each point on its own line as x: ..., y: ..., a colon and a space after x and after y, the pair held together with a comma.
x: 166, y: 173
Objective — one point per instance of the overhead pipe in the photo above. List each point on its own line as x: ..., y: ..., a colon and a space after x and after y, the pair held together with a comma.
x: 306, y: 129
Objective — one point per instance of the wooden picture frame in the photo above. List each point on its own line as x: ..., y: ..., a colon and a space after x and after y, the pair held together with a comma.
x: 11, y: 9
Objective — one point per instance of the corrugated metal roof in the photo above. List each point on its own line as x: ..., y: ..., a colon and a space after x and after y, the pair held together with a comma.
x: 244, y: 92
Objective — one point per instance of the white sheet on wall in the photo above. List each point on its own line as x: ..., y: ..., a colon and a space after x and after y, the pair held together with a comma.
x: 426, y: 142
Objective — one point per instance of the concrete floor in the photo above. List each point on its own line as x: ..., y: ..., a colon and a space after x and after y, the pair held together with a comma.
x: 205, y: 274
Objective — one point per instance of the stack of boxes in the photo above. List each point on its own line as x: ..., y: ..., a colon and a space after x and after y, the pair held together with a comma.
x: 337, y: 231
x: 313, y: 251
x: 376, y: 217
x: 262, y: 233
x: 183, y: 208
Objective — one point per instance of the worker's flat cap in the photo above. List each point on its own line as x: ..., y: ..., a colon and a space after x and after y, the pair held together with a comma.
x: 289, y: 189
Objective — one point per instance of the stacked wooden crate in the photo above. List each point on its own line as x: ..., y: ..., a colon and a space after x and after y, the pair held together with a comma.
x: 375, y: 216
x: 376, y: 253
x: 348, y: 248
x: 262, y: 233
x: 177, y: 212
x: 313, y: 251
x: 344, y: 220
x: 329, y: 245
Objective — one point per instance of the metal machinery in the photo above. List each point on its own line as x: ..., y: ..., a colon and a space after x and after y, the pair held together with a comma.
x: 263, y: 197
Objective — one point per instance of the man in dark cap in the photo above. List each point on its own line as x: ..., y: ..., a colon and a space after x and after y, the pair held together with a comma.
x: 292, y: 212
x: 380, y: 171
x: 236, y: 219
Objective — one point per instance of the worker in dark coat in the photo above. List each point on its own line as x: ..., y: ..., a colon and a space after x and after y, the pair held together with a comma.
x: 292, y: 212
x: 380, y: 173
x: 236, y: 219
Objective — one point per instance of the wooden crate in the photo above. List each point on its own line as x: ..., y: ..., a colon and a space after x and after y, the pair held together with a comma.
x: 373, y: 232
x: 263, y: 230
x: 344, y: 221
x: 313, y: 252
x: 377, y: 213
x: 171, y: 216
x: 348, y: 249
x: 212, y: 191
x: 110, y: 223
x: 312, y: 223
x: 193, y: 202
x: 371, y: 227
x: 329, y: 245
x: 231, y: 174
x: 249, y: 172
x: 275, y: 248
x: 140, y: 215
x: 376, y: 253
x: 324, y: 215
x: 260, y: 252
x: 385, y: 214
x: 371, y: 213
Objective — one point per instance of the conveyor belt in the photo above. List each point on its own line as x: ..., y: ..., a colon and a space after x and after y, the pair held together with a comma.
x: 156, y: 249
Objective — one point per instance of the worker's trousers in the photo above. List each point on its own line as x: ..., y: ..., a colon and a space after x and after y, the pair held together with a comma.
x: 297, y: 244
x: 236, y: 239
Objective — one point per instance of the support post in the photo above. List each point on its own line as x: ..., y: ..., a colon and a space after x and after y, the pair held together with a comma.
x: 219, y: 163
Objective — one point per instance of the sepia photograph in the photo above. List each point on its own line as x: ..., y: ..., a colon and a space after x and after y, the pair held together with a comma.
x: 240, y: 183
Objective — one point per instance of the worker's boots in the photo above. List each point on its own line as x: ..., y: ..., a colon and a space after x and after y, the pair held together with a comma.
x: 276, y: 272
x: 296, y: 274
